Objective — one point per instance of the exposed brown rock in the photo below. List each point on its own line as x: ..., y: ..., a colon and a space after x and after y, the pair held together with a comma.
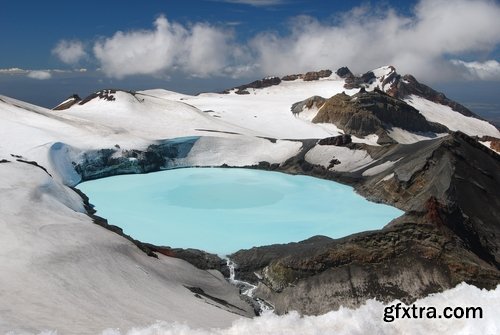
x: 370, y: 112
x: 72, y: 100
x: 340, y: 140
x: 262, y: 83
x: 314, y: 101
x: 310, y: 76
x: 495, y: 142
x: 292, y: 77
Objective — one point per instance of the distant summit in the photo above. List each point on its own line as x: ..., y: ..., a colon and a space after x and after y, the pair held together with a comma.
x: 271, y: 81
x: 388, y: 80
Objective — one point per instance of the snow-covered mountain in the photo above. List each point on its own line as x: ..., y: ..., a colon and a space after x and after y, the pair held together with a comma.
x: 59, y: 270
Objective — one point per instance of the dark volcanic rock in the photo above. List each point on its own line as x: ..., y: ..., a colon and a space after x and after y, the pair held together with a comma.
x: 352, y: 82
x: 292, y: 77
x: 105, y: 162
x: 450, y: 190
x: 340, y: 140
x: 344, y: 72
x: 370, y: 112
x: 72, y: 100
x: 266, y: 82
x: 311, y: 76
x: 199, y: 258
x: 107, y: 95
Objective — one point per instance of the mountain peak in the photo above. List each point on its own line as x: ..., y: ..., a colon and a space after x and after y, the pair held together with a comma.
x: 386, y: 79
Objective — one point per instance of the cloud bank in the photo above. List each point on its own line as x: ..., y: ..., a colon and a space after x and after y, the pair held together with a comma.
x: 199, y: 50
x: 488, y: 70
x: 39, y: 74
x: 368, y: 37
x: 69, y: 52
x: 431, y: 43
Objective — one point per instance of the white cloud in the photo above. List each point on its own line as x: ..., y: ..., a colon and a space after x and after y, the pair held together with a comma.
x: 367, y: 37
x: 39, y: 74
x: 199, y: 50
x: 69, y: 52
x: 488, y: 70
x: 363, y: 39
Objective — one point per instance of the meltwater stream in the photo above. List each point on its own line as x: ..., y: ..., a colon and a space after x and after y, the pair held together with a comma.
x: 223, y: 210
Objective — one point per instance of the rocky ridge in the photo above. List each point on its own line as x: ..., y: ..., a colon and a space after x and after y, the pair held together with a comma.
x: 272, y: 81
x: 400, y: 87
x: 449, y: 234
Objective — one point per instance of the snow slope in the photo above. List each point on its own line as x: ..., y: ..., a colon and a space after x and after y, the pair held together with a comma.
x: 453, y: 120
x: 265, y: 109
x: 60, y: 271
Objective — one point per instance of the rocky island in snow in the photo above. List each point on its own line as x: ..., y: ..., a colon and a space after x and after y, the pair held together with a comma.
x: 395, y: 140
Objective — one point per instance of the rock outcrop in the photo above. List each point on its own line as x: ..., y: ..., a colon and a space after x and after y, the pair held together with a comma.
x: 199, y: 258
x: 312, y: 102
x: 309, y: 76
x: 340, y: 140
x: 262, y: 83
x: 272, y: 81
x: 367, y: 113
x: 72, y: 100
x: 494, y: 142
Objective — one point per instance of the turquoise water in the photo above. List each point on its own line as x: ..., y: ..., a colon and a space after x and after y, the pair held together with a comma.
x: 224, y: 210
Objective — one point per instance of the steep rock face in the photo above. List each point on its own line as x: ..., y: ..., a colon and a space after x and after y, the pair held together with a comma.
x: 449, y: 234
x: 104, y: 163
x: 367, y: 113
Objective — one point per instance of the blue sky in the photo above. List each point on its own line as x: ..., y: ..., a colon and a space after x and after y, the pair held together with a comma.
x: 51, y: 49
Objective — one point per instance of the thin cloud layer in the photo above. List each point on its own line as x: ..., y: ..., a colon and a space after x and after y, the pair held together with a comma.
x: 69, y: 52
x: 363, y: 39
x: 39, y: 74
